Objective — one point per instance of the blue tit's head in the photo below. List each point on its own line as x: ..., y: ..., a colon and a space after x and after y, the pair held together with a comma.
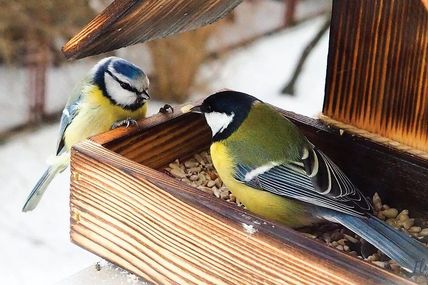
x: 225, y: 111
x: 122, y: 82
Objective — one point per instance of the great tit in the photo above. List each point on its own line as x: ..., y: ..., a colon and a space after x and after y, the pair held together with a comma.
x: 114, y: 93
x: 278, y: 174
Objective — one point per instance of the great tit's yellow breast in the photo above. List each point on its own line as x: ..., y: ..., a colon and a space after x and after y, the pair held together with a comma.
x: 265, y: 204
x: 96, y: 115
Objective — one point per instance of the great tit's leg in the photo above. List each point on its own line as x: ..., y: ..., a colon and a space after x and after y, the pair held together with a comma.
x: 124, y: 123
x: 166, y: 109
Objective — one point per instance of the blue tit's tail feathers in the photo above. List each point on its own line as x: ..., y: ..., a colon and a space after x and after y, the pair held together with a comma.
x: 59, y: 163
x: 411, y: 254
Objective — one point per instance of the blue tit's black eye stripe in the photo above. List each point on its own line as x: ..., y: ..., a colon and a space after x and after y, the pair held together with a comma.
x: 124, y: 85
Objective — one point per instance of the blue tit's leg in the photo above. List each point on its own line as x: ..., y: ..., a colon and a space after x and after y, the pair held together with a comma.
x: 124, y: 123
x: 166, y: 109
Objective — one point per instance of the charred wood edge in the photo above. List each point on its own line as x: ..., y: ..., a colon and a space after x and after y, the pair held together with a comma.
x: 345, y: 265
x: 96, y: 26
x: 121, y: 134
x: 100, y: 34
x: 375, y: 137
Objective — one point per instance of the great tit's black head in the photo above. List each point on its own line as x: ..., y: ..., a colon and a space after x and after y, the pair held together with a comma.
x: 124, y: 83
x: 225, y: 111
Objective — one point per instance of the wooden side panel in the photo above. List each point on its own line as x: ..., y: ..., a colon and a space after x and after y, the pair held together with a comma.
x: 159, y: 145
x: 127, y: 22
x: 377, y: 75
x: 170, y: 233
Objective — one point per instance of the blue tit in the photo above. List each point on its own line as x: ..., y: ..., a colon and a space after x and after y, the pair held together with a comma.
x: 115, y: 92
x: 278, y: 174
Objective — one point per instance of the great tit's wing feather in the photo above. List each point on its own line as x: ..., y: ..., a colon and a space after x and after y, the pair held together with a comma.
x: 299, y: 180
x: 328, y: 179
x: 68, y: 114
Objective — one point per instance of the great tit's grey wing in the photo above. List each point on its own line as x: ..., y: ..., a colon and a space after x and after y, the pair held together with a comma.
x: 315, y: 180
x: 68, y: 114
x: 330, y: 180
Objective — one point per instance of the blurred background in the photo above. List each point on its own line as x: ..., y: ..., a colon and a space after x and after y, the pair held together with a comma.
x: 275, y: 50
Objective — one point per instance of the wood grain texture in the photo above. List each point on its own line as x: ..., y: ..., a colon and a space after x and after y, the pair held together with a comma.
x: 127, y: 22
x: 425, y: 2
x: 399, y: 177
x: 377, y: 74
x: 170, y: 233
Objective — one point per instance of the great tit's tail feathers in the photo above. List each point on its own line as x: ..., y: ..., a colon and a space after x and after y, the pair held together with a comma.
x: 411, y: 254
x: 59, y: 163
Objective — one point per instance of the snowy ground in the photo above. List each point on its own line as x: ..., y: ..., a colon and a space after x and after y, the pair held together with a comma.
x: 35, y: 247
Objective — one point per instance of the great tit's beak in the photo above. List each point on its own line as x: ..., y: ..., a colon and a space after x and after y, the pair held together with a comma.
x: 196, y: 109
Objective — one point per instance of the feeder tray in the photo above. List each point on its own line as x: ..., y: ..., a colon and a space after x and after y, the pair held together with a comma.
x: 125, y: 209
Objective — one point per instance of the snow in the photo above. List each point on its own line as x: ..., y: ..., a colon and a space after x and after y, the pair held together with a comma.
x: 263, y: 69
x: 14, y: 90
x: 257, y: 17
x: 103, y: 273
x: 249, y: 229
x: 35, y: 247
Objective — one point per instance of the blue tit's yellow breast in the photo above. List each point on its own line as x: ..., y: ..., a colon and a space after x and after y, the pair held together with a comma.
x: 262, y: 203
x: 96, y: 115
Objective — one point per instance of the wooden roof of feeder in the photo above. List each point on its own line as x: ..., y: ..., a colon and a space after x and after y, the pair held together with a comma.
x: 128, y: 22
x: 126, y: 210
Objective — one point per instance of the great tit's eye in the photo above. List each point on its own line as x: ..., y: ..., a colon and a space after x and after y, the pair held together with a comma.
x: 209, y: 108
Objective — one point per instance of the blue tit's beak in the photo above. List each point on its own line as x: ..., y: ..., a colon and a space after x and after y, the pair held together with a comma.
x: 145, y: 95
x: 196, y: 109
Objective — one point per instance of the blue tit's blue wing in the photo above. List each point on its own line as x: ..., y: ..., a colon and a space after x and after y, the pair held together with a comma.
x: 314, y: 179
x: 68, y: 114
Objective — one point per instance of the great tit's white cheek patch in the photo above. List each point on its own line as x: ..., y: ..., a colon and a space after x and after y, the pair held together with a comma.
x: 117, y: 93
x: 218, y: 122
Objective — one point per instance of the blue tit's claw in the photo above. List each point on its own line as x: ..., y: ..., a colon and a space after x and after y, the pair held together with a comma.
x: 166, y: 109
x: 124, y: 123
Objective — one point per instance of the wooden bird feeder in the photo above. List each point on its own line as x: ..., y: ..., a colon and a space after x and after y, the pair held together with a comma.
x: 125, y: 209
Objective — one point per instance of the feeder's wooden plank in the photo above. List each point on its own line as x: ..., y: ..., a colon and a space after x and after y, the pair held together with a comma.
x: 377, y: 74
x: 170, y: 233
x: 400, y: 178
x: 127, y: 22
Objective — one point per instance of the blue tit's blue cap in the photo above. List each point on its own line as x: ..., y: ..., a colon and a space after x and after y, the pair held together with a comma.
x: 127, y: 69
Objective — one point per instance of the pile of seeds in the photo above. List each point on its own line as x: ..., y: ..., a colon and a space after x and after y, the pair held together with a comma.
x: 199, y: 172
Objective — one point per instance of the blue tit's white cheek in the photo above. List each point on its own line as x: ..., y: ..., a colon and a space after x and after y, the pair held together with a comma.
x: 117, y: 93
x: 218, y: 122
